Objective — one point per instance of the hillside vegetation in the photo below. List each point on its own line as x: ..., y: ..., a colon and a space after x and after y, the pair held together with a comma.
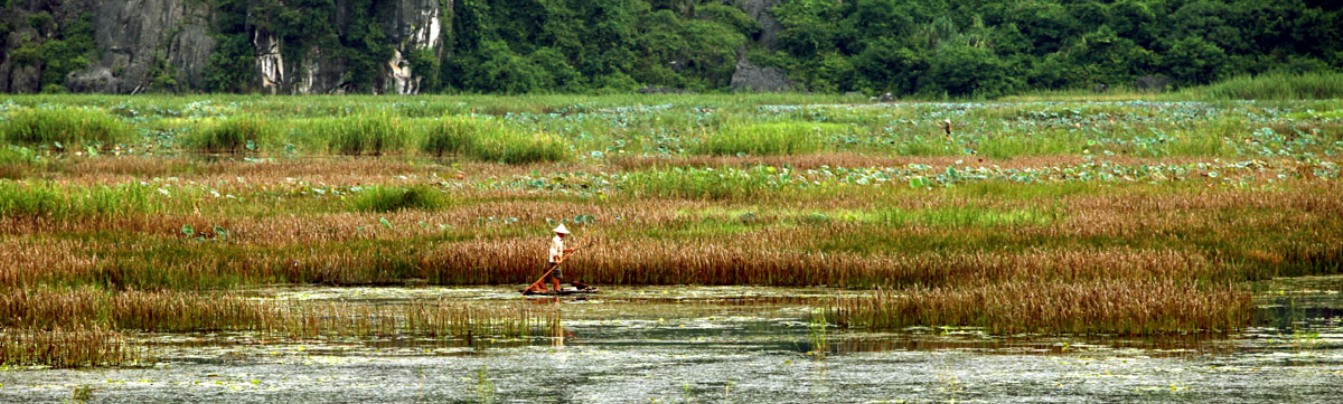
x: 929, y: 49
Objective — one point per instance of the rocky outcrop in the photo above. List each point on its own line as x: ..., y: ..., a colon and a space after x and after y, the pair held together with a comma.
x: 19, y: 73
x: 412, y: 25
x: 419, y: 23
x: 752, y: 78
x: 170, y: 45
x: 761, y: 11
x: 140, y: 40
x: 748, y: 76
x: 269, y: 61
x: 165, y: 45
x: 25, y: 26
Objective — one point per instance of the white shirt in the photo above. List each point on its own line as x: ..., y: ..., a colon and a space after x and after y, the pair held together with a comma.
x: 556, y: 248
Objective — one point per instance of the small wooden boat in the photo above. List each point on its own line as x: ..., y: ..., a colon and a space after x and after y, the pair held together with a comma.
x: 561, y: 292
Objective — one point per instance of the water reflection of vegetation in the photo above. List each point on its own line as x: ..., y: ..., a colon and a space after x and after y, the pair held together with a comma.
x: 53, y: 322
x: 1119, y: 307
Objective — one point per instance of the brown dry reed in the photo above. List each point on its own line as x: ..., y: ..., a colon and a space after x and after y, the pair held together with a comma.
x: 66, y: 347
x: 173, y: 311
x: 1112, y: 307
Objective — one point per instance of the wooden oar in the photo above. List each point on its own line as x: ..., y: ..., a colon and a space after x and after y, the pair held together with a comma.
x: 552, y: 269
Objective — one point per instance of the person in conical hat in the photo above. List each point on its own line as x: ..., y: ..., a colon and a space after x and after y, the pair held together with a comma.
x: 557, y: 252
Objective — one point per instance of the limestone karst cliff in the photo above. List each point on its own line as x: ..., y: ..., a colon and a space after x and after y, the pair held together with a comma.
x: 266, y: 46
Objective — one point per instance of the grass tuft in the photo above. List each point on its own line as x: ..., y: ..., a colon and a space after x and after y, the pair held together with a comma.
x: 371, y: 133
x: 388, y: 199
x: 63, y: 128
x: 46, y: 199
x: 235, y: 135
x: 766, y: 139
x: 514, y: 147
x: 456, y: 135
x: 1277, y: 86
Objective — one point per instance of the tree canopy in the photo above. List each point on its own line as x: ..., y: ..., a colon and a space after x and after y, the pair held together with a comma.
x: 925, y: 47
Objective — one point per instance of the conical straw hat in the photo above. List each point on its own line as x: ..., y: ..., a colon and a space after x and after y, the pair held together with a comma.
x: 561, y: 229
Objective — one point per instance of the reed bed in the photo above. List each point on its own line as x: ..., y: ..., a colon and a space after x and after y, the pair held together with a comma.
x: 62, y: 129
x: 233, y: 136
x: 456, y: 135
x: 86, y: 326
x: 47, y: 199
x: 488, y: 140
x: 164, y: 311
x: 418, y: 318
x: 1111, y: 307
x: 1278, y: 86
x: 67, y: 347
x: 373, y: 134
x: 969, y: 233
x: 172, y: 311
x: 665, y: 262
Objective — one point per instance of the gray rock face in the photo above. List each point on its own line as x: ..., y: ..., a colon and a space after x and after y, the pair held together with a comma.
x: 748, y: 76
x: 165, y: 45
x: 140, y: 39
x: 21, y: 63
x: 412, y: 25
x: 752, y: 78
x: 760, y: 10
x: 418, y: 26
x: 95, y: 79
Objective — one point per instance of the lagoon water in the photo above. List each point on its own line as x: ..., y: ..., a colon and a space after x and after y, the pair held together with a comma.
x: 730, y: 344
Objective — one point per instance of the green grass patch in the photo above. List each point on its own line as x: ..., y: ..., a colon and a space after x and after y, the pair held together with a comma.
x: 766, y: 139
x: 456, y: 135
x: 16, y: 162
x: 388, y: 199
x: 1009, y: 190
x: 233, y: 135
x: 967, y: 216
x: 514, y: 147
x: 46, y: 199
x: 491, y: 141
x: 63, y: 128
x: 707, y: 183
x: 1044, y: 143
x: 1276, y: 86
x: 372, y: 133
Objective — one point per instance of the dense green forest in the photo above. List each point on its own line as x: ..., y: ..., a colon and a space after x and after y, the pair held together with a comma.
x: 872, y: 46
x: 907, y: 47
x: 997, y: 47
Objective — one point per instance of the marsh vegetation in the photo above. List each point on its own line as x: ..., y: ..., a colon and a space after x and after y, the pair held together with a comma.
x: 126, y: 218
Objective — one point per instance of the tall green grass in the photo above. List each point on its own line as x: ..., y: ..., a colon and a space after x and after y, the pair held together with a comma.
x: 765, y: 139
x: 63, y: 128
x: 388, y: 199
x: 456, y: 135
x: 16, y: 162
x: 516, y: 147
x: 244, y: 134
x: 491, y: 141
x: 1276, y: 86
x: 371, y: 133
x: 46, y: 199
